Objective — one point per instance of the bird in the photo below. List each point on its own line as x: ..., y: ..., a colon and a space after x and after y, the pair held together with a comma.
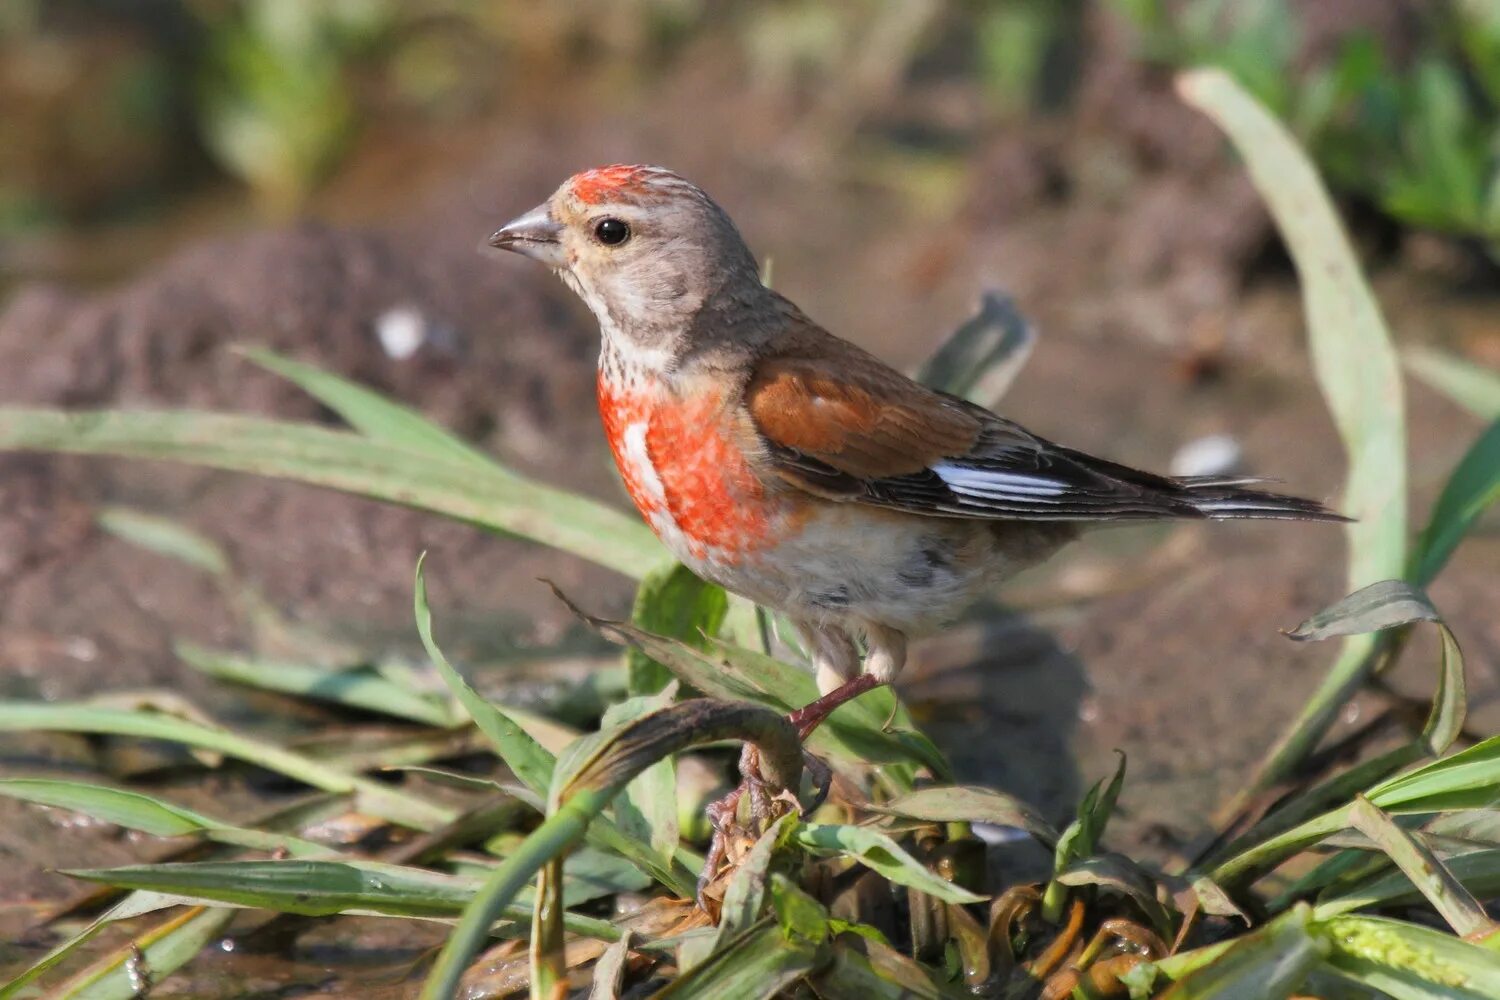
x: 797, y: 469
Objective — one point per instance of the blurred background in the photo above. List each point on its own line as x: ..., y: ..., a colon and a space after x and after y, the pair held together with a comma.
x: 180, y: 176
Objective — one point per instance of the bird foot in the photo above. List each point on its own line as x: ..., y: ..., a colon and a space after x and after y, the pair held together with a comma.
x: 765, y: 808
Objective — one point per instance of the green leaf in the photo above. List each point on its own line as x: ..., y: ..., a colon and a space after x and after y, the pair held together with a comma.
x: 373, y: 797
x: 359, y: 687
x: 880, y: 853
x: 1269, y: 964
x: 672, y: 602
x: 530, y: 761
x: 371, y: 414
x: 856, y: 731
x: 1356, y: 368
x: 969, y: 804
x: 152, y: 956
x: 1474, y: 388
x: 136, y: 811
x: 165, y: 538
x: 352, y: 463
x: 647, y: 809
x: 588, y: 780
x: 1478, y: 871
x: 1469, y: 779
x: 1445, y: 892
x: 1408, y: 962
x: 1124, y: 876
x: 132, y: 906
x: 533, y: 763
x: 756, y: 965
x: 1473, y: 487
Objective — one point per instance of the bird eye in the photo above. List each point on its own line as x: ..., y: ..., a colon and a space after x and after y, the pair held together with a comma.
x: 611, y: 232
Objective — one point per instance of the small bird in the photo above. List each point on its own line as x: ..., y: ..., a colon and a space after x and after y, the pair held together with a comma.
x: 796, y: 469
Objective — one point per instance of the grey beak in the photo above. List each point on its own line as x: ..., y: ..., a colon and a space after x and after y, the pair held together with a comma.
x: 533, y: 235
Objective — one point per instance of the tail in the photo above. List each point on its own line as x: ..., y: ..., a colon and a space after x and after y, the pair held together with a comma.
x: 1223, y: 498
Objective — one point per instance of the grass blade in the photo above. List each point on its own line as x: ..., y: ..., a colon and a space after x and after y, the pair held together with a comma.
x: 1474, y: 388
x: 349, y: 462
x: 879, y: 852
x: 588, y: 782
x: 1472, y: 488
x: 165, y: 537
x: 132, y: 971
x: 532, y: 763
x: 373, y: 797
x: 856, y: 731
x: 135, y: 811
x: 370, y: 413
x: 673, y: 602
x: 132, y: 906
x: 1445, y: 892
x: 647, y: 808
x: 360, y: 688
x: 969, y: 804
x: 757, y: 965
x: 1407, y: 962
x: 1269, y: 964
x: 982, y: 357
x: 1356, y: 369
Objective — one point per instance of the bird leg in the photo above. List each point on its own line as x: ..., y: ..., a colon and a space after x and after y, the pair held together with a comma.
x: 835, y: 659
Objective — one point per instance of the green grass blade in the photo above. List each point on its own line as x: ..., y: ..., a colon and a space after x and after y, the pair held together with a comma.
x: 1478, y: 872
x: 673, y: 602
x: 855, y: 732
x: 1469, y: 779
x: 970, y: 804
x: 1473, y: 487
x: 134, y: 905
x: 349, y: 462
x: 530, y: 761
x: 533, y: 763
x: 1407, y: 962
x: 588, y: 781
x: 165, y: 948
x: 373, y: 797
x: 1269, y: 964
x: 372, y: 414
x: 1444, y: 891
x: 880, y: 853
x: 165, y: 537
x: 757, y: 965
x: 135, y: 811
x: 359, y: 688
x: 1356, y: 369
x: 647, y: 808
x: 1474, y: 388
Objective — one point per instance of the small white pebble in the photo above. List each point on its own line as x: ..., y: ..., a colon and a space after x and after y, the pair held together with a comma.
x: 1213, y: 455
x: 402, y: 331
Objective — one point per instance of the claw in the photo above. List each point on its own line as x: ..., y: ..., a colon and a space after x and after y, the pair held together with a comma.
x: 821, y: 776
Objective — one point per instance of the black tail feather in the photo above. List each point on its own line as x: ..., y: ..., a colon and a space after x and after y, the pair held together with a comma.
x: 1224, y: 500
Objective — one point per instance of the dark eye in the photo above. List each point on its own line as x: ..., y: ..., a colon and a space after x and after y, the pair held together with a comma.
x: 611, y: 232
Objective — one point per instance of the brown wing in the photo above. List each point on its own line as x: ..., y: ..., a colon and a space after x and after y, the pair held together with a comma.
x: 838, y: 423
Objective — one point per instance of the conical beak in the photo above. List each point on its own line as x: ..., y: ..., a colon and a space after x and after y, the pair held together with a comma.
x: 533, y: 235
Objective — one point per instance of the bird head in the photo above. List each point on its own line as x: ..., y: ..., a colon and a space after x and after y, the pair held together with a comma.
x: 645, y: 249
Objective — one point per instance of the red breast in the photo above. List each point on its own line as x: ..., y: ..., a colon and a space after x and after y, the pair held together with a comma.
x: 685, y: 471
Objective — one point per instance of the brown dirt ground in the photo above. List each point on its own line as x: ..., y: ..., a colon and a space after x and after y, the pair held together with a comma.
x: 1127, y: 232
